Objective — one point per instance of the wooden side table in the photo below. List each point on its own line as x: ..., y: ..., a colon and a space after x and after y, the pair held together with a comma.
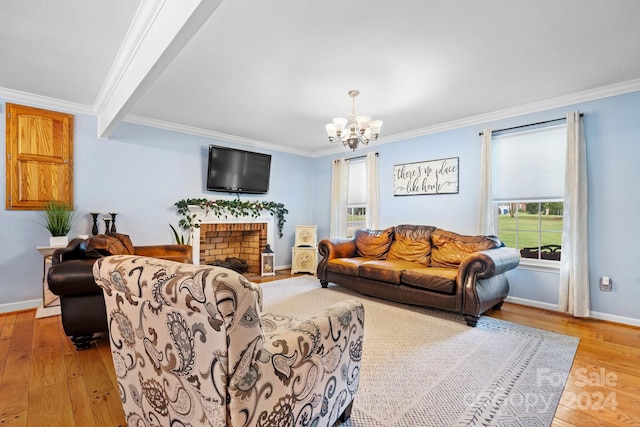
x: 49, y: 299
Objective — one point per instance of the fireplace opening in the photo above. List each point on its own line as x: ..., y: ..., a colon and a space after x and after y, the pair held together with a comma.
x: 244, y: 242
x: 236, y: 264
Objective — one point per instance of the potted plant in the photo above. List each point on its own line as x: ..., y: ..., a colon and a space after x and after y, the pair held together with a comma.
x: 58, y: 218
x: 180, y: 240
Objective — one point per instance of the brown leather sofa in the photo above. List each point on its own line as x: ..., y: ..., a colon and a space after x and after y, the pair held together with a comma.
x: 71, y: 277
x: 422, y: 265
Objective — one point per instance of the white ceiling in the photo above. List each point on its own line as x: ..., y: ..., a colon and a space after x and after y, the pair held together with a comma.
x: 271, y: 73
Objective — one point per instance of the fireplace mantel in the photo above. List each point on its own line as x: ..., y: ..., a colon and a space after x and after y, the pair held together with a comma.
x: 210, y: 218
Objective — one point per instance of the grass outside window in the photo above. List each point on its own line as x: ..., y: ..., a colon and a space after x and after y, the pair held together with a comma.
x: 531, y: 229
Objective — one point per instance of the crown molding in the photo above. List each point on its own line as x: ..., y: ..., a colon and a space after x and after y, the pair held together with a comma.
x: 190, y: 130
x: 45, y: 102
x: 481, y: 119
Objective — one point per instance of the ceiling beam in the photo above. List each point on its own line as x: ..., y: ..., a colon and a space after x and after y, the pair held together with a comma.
x: 159, y: 31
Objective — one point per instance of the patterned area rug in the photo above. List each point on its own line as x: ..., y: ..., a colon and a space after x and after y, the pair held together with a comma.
x: 424, y: 367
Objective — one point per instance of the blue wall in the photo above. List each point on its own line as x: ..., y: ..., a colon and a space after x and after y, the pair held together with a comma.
x: 140, y: 172
x: 612, y: 131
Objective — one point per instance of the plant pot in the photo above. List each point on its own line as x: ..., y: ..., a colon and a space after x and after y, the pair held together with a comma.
x: 58, y: 240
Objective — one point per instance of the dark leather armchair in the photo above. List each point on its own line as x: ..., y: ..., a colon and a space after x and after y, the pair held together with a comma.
x: 71, y: 278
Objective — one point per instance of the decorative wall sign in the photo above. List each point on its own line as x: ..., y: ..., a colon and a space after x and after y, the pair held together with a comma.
x: 430, y: 177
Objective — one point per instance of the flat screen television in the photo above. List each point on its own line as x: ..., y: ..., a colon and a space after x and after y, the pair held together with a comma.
x: 238, y: 171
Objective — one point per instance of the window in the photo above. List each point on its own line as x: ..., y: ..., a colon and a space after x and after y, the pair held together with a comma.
x: 357, y: 196
x: 534, y: 228
x: 528, y: 190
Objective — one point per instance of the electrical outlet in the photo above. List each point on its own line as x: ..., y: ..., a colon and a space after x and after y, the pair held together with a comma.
x: 605, y: 284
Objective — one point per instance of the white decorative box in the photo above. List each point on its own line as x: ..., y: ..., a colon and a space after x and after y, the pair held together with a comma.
x: 306, y: 235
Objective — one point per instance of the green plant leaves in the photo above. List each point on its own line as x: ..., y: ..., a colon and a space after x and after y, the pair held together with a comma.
x: 58, y: 218
x: 224, y: 208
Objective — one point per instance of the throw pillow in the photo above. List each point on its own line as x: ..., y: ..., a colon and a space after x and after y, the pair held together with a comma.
x: 126, y: 241
x: 373, y: 243
x: 449, y: 248
x: 412, y: 243
x: 104, y: 245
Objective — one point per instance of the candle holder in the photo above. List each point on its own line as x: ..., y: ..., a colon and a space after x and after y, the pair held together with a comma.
x: 113, y: 221
x: 106, y: 220
x: 94, y: 229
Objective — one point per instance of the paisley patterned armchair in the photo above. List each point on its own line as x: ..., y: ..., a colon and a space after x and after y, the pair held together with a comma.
x: 191, y: 347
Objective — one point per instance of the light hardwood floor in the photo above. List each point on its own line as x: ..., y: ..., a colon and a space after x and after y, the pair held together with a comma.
x: 44, y: 381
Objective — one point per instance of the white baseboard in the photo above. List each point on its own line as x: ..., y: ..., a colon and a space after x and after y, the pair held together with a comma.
x: 614, y: 318
x: 532, y: 303
x: 20, y: 305
x: 594, y: 314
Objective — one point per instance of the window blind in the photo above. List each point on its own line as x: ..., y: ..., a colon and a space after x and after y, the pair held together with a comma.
x: 357, y: 182
x: 529, y: 166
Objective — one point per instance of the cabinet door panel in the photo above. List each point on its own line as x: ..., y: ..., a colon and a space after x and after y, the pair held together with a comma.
x: 39, y: 157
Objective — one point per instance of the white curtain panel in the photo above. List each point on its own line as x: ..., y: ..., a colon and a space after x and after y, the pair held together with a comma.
x: 487, y: 211
x: 339, y: 193
x: 373, y: 193
x: 574, y: 264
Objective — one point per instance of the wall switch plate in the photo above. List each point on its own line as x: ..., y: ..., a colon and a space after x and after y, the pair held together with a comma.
x: 606, y: 284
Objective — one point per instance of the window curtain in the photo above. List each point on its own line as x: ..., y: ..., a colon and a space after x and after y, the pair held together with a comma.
x: 574, y: 264
x: 339, y: 192
x: 487, y: 211
x: 373, y: 193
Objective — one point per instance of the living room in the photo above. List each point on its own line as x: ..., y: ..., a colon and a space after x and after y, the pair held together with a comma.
x: 174, y: 168
x: 140, y: 171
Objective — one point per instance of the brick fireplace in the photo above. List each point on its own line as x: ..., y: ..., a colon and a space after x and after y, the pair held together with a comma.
x: 231, y: 225
x: 245, y: 241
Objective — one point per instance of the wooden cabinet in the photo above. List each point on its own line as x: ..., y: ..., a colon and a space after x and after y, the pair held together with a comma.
x: 39, y: 149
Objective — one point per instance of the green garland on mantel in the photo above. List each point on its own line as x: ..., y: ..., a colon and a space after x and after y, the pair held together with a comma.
x: 224, y: 208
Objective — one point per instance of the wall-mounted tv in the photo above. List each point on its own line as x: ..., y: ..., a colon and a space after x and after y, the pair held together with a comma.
x: 238, y: 171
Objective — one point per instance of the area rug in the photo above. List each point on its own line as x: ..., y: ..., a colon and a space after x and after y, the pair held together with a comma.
x: 426, y: 367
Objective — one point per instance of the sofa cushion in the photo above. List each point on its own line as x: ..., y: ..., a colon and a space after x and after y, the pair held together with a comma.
x: 373, y: 243
x: 385, y: 270
x: 347, y: 266
x: 411, y: 243
x: 436, y: 279
x: 109, y: 244
x: 449, y: 249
